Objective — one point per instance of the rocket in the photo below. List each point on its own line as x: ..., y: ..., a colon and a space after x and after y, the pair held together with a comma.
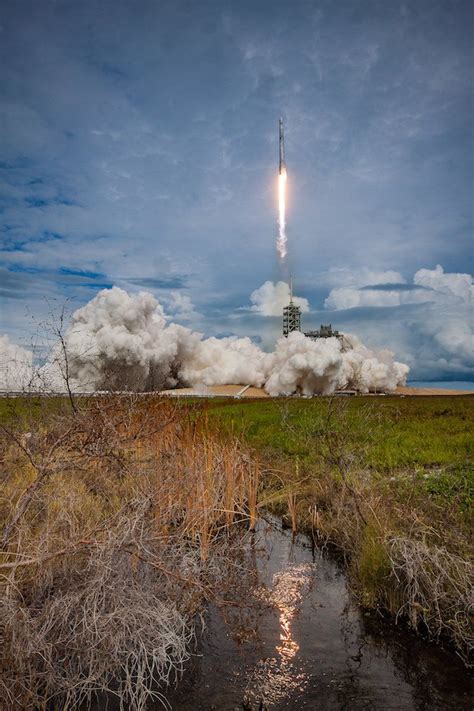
x: 281, y: 166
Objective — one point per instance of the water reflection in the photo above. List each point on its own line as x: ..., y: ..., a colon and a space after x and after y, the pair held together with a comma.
x: 304, y: 644
x: 277, y: 677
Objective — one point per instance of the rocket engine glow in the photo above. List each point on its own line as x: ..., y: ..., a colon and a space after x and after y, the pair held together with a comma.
x: 282, y: 238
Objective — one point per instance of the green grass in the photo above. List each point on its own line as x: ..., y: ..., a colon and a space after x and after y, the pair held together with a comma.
x: 417, y: 450
x: 29, y: 409
x: 403, y: 432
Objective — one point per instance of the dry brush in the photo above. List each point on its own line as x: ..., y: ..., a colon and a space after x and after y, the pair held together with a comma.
x: 119, y: 521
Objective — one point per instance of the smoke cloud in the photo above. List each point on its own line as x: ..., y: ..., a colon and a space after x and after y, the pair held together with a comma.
x: 122, y: 342
x: 16, y: 366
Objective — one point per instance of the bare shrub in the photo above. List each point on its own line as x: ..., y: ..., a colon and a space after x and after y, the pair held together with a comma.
x: 436, y: 589
x: 118, y: 525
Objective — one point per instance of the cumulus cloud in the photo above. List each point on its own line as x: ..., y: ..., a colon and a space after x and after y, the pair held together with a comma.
x: 456, y: 285
x: 343, y: 277
x: 437, y: 332
x: 353, y: 288
x: 270, y: 299
x: 350, y: 298
x: 429, y: 285
x: 180, y: 307
x: 450, y: 322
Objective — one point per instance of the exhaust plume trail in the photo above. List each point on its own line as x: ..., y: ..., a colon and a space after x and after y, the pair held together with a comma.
x: 282, y: 240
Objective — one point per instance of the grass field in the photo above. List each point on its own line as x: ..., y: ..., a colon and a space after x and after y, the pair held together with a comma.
x: 427, y: 441
x: 410, y: 431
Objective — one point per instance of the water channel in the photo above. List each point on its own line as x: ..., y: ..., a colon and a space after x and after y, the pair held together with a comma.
x: 306, y: 644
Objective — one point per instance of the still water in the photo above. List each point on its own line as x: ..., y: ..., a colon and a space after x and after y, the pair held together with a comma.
x: 300, y: 642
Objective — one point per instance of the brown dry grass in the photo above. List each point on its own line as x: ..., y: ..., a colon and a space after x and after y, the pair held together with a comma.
x: 118, y: 523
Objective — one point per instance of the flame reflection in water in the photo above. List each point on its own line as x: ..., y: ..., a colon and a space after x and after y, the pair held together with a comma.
x: 275, y: 678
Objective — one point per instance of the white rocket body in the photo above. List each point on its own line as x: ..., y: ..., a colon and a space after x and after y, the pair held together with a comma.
x: 281, y: 165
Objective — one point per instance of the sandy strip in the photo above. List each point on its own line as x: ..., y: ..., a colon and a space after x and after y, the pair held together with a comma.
x: 431, y: 391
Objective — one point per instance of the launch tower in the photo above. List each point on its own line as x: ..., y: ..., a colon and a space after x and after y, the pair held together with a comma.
x: 292, y: 322
x: 326, y: 331
x: 291, y: 315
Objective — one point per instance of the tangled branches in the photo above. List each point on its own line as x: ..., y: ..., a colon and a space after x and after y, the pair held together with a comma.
x: 117, y: 528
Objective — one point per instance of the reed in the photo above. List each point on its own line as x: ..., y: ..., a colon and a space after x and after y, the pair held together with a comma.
x: 119, y: 521
x: 292, y: 510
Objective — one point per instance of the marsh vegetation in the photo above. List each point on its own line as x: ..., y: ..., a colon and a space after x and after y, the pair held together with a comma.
x: 124, y: 517
x: 120, y: 520
x: 388, y: 484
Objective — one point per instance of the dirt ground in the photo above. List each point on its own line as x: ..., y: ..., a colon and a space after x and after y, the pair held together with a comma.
x: 431, y: 391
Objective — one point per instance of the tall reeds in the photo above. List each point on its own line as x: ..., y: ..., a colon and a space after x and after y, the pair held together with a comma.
x: 119, y: 521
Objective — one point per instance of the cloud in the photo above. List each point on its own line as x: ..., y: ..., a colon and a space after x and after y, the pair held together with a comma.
x: 16, y: 366
x: 459, y: 286
x: 172, y: 282
x: 362, y: 276
x: 271, y: 298
x: 431, y: 319
x: 180, y: 307
x: 390, y: 295
x: 356, y: 288
x: 428, y: 286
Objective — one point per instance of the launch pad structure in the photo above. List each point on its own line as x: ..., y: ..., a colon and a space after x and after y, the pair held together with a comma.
x: 292, y: 322
x: 291, y: 315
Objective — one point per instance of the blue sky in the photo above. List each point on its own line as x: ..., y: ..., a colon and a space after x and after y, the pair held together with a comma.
x: 139, y: 147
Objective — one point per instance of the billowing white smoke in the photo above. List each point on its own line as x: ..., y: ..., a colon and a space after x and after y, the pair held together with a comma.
x: 116, y: 342
x: 123, y: 342
x: 221, y: 361
x: 16, y: 366
x: 300, y: 364
x: 368, y: 371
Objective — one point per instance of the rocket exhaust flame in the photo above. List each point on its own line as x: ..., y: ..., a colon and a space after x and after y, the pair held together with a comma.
x: 282, y: 238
